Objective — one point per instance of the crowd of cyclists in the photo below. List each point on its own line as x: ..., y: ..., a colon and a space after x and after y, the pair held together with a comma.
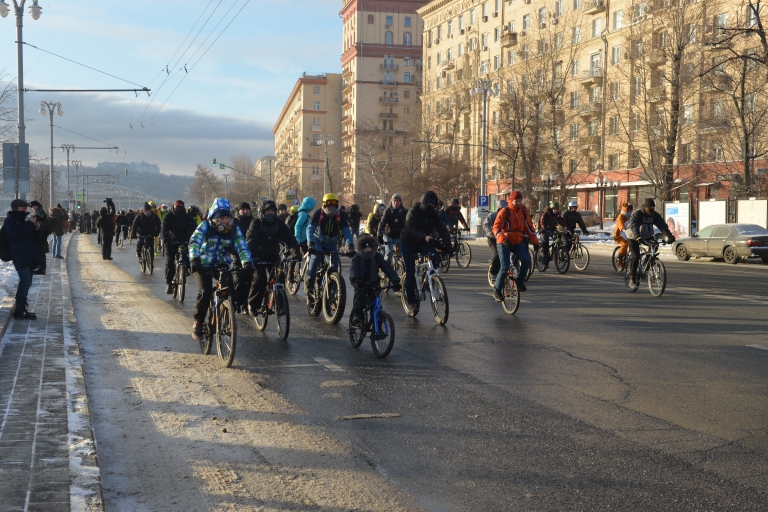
x: 253, y: 240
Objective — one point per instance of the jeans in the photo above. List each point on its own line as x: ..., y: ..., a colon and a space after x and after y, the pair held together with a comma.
x: 25, y: 281
x: 410, y: 252
x: 57, y: 245
x: 390, y: 248
x: 521, y: 251
x: 634, y: 255
x: 317, y: 259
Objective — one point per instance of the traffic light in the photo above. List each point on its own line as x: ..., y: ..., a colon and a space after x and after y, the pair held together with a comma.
x: 78, y: 205
x: 214, y: 162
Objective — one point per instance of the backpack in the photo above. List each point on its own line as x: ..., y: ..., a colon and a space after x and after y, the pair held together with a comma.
x: 5, y: 246
x: 291, y: 220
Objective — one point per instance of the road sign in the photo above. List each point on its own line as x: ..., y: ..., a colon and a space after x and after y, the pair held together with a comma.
x: 9, y: 161
x: 222, y: 166
x: 78, y: 196
x: 9, y: 186
x: 263, y: 198
x: 482, y: 201
x: 295, y: 202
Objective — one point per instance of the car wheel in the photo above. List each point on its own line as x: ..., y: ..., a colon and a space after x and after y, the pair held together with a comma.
x: 765, y: 260
x: 682, y: 253
x: 729, y: 255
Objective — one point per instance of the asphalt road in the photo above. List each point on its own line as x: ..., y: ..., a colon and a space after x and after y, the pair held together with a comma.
x: 589, y: 398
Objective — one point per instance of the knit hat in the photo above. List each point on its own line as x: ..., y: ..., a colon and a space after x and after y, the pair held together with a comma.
x: 515, y: 195
x: 649, y: 203
x: 245, y: 206
x: 397, y: 196
x: 36, y: 203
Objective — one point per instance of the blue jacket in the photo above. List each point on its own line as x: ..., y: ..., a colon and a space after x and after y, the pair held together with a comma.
x: 211, y: 247
x: 302, y: 222
x: 325, y: 229
x: 20, y: 233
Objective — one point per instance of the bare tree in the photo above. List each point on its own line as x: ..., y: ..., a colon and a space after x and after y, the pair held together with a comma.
x: 205, y: 186
x: 8, y: 109
x: 40, y: 179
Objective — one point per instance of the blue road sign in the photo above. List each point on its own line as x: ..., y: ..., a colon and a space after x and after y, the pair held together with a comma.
x: 295, y: 202
x: 482, y: 201
x: 263, y: 198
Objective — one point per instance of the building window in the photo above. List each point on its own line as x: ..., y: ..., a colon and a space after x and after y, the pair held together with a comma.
x: 407, y: 39
x: 574, y: 132
x: 315, y: 139
x: 615, y: 91
x: 573, y: 165
x: 594, y: 127
x: 471, y: 16
x: 558, y: 8
x: 406, y: 77
x: 370, y: 19
x: 527, y: 22
x: 407, y: 21
x: 618, y: 20
x: 484, y: 40
x: 316, y: 89
x: 542, y: 16
x: 316, y: 105
x: 613, y: 161
x: 593, y: 164
x: 721, y: 24
x: 461, y: 49
x: 616, y: 55
x: 450, y: 28
x: 439, y: 83
x: 390, y: 21
x: 439, y: 58
x: 485, y: 9
x: 613, y: 126
x: 576, y: 5
x: 483, y: 67
x: 496, y: 34
x: 388, y: 38
x: 496, y: 62
x: 559, y: 41
x: 449, y: 54
x: 575, y: 68
x: 407, y: 93
x: 574, y: 99
x: 597, y: 25
x: 510, y: 57
x: 576, y: 35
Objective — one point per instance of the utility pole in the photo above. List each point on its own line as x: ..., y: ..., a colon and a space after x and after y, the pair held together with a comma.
x: 226, y: 181
x: 68, y: 148
x: 48, y: 108
x: 326, y: 139
x: 484, y: 88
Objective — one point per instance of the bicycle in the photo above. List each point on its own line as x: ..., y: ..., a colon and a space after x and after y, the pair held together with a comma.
x: 179, y: 282
x: 330, y: 291
x: 397, y: 265
x: 221, y: 323
x: 296, y: 275
x: 578, y: 254
x: 147, y: 257
x: 650, y: 267
x: 492, y: 277
x: 557, y: 253
x: 463, y: 251
x: 275, y: 301
x: 617, y: 265
x: 120, y: 234
x: 429, y: 280
x: 376, y: 322
x: 511, y: 292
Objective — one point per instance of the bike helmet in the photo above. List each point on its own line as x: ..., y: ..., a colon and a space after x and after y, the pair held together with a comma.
x: 294, y: 209
x: 330, y: 197
x: 554, y: 205
x: 152, y: 204
x: 268, y: 205
x: 573, y: 204
x: 455, y: 201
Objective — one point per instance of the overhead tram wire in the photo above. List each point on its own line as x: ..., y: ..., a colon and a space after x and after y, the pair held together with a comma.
x: 87, y: 137
x: 212, y: 30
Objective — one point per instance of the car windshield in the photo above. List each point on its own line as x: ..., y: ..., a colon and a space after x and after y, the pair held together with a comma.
x: 750, y: 229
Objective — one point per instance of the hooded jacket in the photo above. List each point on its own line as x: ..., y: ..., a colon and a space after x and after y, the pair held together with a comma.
x: 355, y: 215
x: 421, y: 221
x: 512, y: 224
x: 177, y: 227
x: 302, y: 221
x: 372, y: 226
x: 22, y: 237
x: 212, y: 247
x: 641, y: 224
x: 393, y: 221
x: 145, y: 225
x: 366, y: 268
x: 549, y: 221
x: 57, y: 218
x: 105, y: 223
x: 264, y: 239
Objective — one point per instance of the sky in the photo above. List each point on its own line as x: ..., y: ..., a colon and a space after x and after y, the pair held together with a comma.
x: 224, y: 104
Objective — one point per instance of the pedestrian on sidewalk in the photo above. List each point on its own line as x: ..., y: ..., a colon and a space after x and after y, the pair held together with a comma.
x: 106, y: 225
x: 42, y: 235
x: 57, y: 223
x: 20, y: 229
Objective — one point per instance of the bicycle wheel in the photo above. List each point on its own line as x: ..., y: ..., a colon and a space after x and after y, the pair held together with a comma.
x: 404, y: 298
x: 143, y: 261
x: 511, y: 297
x: 315, y: 304
x: 226, y: 333
x: 295, y: 278
x: 206, y: 342
x: 151, y: 262
x: 334, y: 298
x: 261, y: 319
x: 580, y: 257
x: 538, y: 259
x: 445, y: 262
x: 491, y: 276
x: 562, y: 260
x: 615, y: 260
x: 383, y: 342
x: 439, y: 300
x: 463, y: 255
x: 181, y: 286
x: 657, y: 278
x: 356, y: 334
x: 282, y: 314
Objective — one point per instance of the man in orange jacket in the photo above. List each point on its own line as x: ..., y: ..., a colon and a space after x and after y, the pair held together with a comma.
x: 511, y: 226
x: 618, y: 232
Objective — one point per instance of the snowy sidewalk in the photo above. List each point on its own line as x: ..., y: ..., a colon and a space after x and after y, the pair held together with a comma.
x: 47, y: 457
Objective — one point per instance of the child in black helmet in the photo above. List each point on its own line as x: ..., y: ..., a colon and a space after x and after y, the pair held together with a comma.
x: 365, y: 272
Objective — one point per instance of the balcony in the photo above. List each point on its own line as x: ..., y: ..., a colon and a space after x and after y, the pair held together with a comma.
x: 509, y: 39
x: 715, y: 83
x: 387, y: 99
x: 347, y: 88
x: 388, y: 83
x: 419, y: 67
x: 595, y: 7
x: 592, y: 76
x: 717, y: 42
x: 657, y: 132
x: 657, y: 94
x: 346, y: 119
x: 316, y: 128
x: 446, y: 136
x: 449, y: 65
x: 345, y: 104
x: 591, y: 109
x: 559, y: 116
x: 712, y: 123
x: 389, y: 67
x: 388, y: 115
x: 446, y: 114
x: 346, y: 149
x: 346, y: 73
x: 590, y: 143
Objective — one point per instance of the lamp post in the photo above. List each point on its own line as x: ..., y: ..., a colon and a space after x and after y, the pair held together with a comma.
x: 77, y: 164
x: 484, y: 88
x: 326, y: 139
x: 548, y: 180
x: 226, y: 181
x: 48, y: 108
x: 616, y: 196
x: 602, y: 183
x: 68, y: 148
x: 18, y: 10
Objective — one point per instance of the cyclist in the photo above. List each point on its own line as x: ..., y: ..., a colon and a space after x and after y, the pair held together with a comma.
x: 293, y: 216
x: 147, y: 225
x: 641, y: 229
x: 212, y: 243
x: 244, y: 216
x: 282, y: 212
x: 302, y: 221
x: 443, y: 215
x: 455, y: 216
x: 415, y: 239
x: 355, y: 215
x: 511, y: 226
x: 264, y: 236
x: 364, y: 271
x: 488, y: 228
x: 194, y: 212
x: 391, y: 225
x: 618, y: 232
x: 549, y: 222
x: 374, y: 218
x: 177, y: 227
x: 573, y: 218
x: 121, y: 221
x: 322, y: 234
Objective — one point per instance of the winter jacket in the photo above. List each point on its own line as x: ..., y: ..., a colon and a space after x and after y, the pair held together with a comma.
x: 44, y: 230
x: 212, y: 247
x: 354, y: 217
x: 372, y: 226
x: 57, y: 220
x: 264, y: 239
x: 550, y: 222
x: 145, y: 225
x: 302, y: 221
x: 641, y: 225
x: 22, y: 237
x: 393, y: 222
x: 621, y: 225
x: 512, y: 224
x: 325, y: 228
x: 572, y: 220
x: 121, y: 220
x: 455, y: 216
x: 283, y: 217
x: 421, y: 221
x: 360, y: 269
x: 177, y: 227
x: 106, y: 223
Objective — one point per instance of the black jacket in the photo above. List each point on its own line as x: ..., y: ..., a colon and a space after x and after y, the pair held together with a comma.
x: 22, y: 236
x: 106, y: 220
x: 360, y: 269
x: 56, y: 218
x: 641, y: 224
x: 145, y: 225
x: 264, y: 240
x: 421, y: 222
x: 549, y: 221
x: 455, y: 216
x: 354, y: 215
x: 573, y: 219
x: 393, y: 222
x: 177, y: 228
x: 44, y: 231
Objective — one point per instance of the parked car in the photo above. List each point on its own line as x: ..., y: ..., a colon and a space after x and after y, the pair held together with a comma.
x: 731, y: 242
x: 591, y: 218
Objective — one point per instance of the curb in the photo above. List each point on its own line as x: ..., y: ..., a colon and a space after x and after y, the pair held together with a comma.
x: 7, y: 305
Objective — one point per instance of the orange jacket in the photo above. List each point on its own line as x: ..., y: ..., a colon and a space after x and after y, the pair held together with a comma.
x: 512, y: 224
x: 621, y: 225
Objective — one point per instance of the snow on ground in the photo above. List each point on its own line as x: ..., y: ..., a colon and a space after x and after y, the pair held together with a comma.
x: 8, y: 280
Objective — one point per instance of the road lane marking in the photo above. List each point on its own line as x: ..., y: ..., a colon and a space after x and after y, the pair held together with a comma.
x: 338, y: 384
x: 761, y: 347
x: 323, y: 361
x: 369, y: 416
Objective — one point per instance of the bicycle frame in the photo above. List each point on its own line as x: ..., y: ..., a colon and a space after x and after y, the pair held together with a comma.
x: 426, y: 269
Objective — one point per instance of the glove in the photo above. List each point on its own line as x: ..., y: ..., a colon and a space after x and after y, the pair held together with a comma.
x: 350, y: 248
x: 669, y: 238
x: 397, y: 287
x: 248, y: 267
x: 196, y: 266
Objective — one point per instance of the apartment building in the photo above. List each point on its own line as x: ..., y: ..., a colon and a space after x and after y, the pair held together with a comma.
x: 382, y: 76
x: 311, y: 116
x: 636, y: 94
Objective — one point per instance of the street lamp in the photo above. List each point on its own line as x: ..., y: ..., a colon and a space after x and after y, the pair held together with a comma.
x: 226, y: 180
x: 548, y: 180
x: 326, y: 139
x: 484, y: 88
x: 68, y: 148
x: 602, y: 183
x: 48, y: 108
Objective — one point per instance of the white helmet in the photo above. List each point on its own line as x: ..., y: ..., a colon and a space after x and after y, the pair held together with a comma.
x: 572, y: 204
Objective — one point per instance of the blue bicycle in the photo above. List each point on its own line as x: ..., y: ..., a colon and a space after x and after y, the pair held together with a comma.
x: 376, y: 322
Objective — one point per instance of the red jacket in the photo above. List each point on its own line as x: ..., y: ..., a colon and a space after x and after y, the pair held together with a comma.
x: 512, y: 224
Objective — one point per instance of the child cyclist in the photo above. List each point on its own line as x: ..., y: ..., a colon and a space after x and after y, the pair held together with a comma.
x: 213, y: 242
x: 365, y: 272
